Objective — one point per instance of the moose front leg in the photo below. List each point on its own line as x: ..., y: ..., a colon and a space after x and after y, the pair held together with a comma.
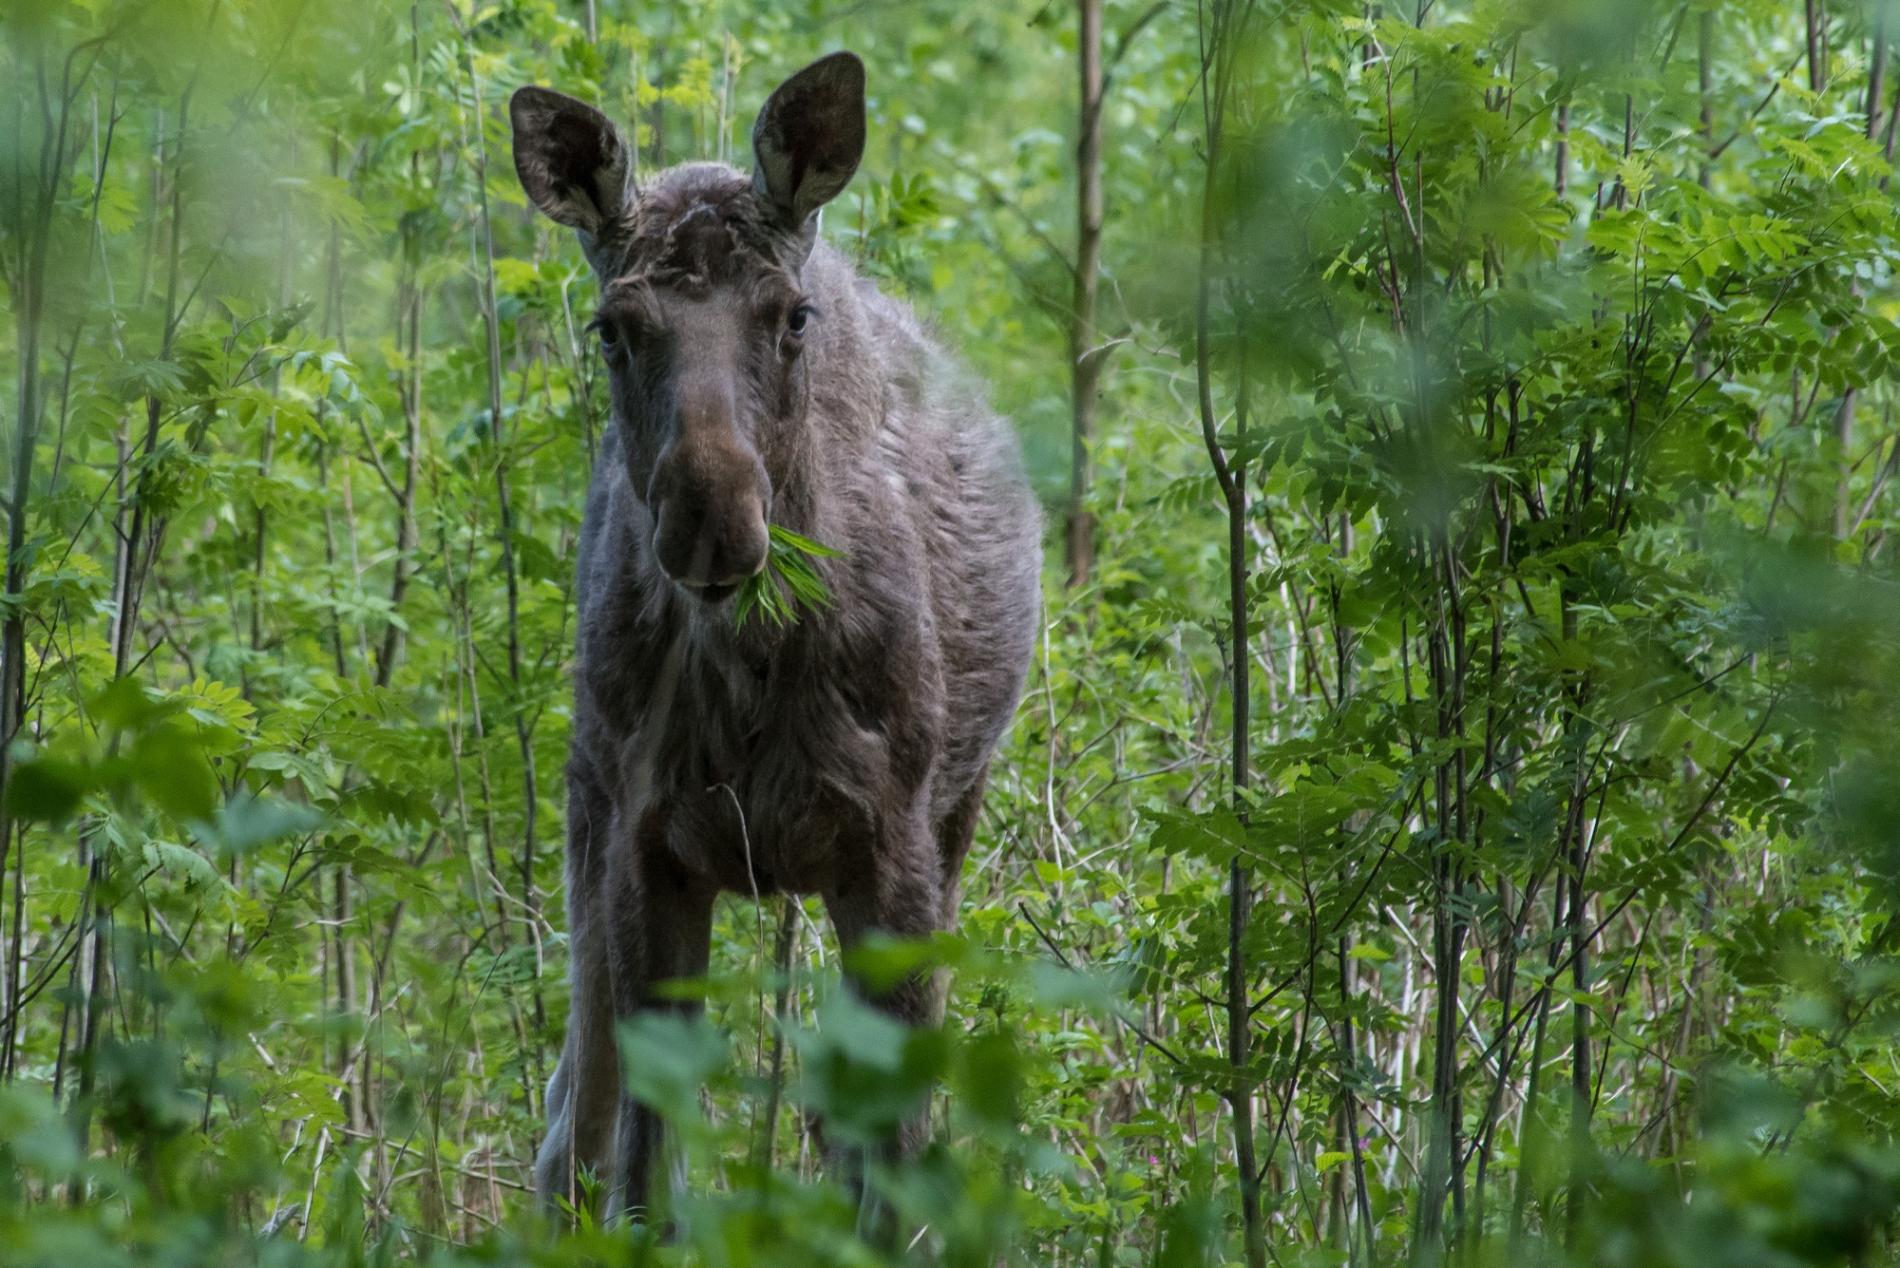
x: 661, y: 929
x: 898, y: 891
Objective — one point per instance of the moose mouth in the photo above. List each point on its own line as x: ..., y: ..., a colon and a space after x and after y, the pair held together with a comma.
x: 711, y: 592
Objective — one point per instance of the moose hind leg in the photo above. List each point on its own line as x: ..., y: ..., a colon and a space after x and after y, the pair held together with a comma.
x: 584, y: 1092
x: 585, y: 1088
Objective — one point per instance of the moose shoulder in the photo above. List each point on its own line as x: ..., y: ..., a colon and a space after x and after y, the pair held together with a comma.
x: 756, y: 381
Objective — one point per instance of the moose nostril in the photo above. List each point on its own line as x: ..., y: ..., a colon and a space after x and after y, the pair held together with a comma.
x: 749, y: 553
x: 681, y: 546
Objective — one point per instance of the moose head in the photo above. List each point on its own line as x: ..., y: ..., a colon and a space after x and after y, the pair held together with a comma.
x: 709, y: 337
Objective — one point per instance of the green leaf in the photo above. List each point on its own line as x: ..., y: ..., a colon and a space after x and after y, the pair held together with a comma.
x: 787, y: 568
x: 47, y: 788
x: 246, y: 822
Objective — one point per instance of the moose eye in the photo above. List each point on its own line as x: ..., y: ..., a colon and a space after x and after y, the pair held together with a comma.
x: 799, y: 318
x: 607, y: 332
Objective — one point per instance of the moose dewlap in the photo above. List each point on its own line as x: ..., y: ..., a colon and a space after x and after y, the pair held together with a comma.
x: 758, y: 382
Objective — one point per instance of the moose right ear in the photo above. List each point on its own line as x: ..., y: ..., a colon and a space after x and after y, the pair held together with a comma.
x: 571, y: 160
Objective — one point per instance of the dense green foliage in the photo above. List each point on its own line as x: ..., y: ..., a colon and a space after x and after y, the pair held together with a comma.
x: 1498, y: 398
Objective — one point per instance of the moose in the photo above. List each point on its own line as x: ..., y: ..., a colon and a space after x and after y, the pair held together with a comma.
x: 757, y: 381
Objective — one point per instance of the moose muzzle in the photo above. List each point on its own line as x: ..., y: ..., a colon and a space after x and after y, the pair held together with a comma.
x: 709, y: 501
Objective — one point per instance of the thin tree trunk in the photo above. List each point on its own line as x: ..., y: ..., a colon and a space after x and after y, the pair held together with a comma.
x: 1085, y: 357
x: 409, y: 309
x: 391, y: 649
x: 1232, y: 479
x: 1578, y: 932
x: 1705, y: 93
x: 1877, y: 73
x: 1527, y: 1131
x: 1442, y: 1173
x: 342, y: 914
x: 1561, y: 163
x: 331, y: 326
x: 1844, y: 415
x: 138, y: 540
x: 130, y: 574
x: 30, y: 303
x: 1362, y: 1201
x: 1817, y: 56
x: 267, y: 448
x: 784, y: 947
x: 523, y: 723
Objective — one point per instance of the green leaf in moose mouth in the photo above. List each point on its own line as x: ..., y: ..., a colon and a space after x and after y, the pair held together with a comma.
x: 788, y: 581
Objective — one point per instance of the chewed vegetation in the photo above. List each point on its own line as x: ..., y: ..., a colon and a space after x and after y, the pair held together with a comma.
x: 789, y: 581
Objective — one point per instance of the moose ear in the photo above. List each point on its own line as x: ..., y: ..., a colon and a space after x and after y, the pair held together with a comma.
x: 570, y: 159
x: 809, y: 137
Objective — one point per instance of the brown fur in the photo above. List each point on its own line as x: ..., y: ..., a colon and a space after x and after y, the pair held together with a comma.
x: 844, y: 755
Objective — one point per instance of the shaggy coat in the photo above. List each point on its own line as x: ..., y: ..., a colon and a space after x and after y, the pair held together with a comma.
x: 756, y: 379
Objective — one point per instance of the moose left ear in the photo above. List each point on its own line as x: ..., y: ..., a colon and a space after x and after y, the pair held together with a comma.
x: 809, y: 137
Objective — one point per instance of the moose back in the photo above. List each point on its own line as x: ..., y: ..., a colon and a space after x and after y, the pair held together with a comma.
x: 757, y: 380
